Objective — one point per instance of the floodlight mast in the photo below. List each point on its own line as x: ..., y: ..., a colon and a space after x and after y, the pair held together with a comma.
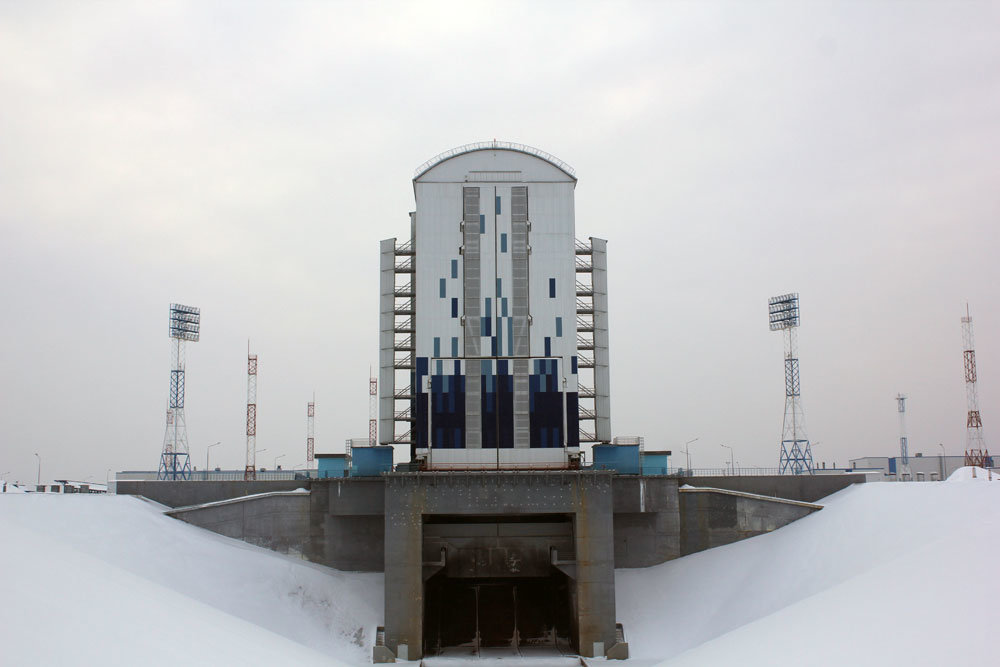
x: 796, y: 454
x: 184, y: 325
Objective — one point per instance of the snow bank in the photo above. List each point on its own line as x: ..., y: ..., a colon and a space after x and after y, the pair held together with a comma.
x: 110, y: 580
x: 875, y: 578
x: 973, y: 474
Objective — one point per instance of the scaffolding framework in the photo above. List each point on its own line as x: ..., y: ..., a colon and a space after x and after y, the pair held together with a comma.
x: 175, y: 460
x: 976, y: 453
x: 250, y: 472
x: 796, y: 453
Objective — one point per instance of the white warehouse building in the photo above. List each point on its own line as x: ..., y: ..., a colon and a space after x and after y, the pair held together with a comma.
x: 493, y: 317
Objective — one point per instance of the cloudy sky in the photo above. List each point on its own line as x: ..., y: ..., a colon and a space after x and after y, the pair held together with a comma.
x: 247, y: 158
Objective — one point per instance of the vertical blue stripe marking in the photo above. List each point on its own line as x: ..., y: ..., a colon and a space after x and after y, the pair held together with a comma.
x: 552, y: 288
x: 454, y: 307
x: 489, y: 308
x: 503, y: 243
x: 548, y: 346
x: 498, y: 204
x: 441, y: 286
x: 558, y: 327
x: 437, y: 346
x: 482, y: 223
x: 454, y: 346
x: 454, y: 268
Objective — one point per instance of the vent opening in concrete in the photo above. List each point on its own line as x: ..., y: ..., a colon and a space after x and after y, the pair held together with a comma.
x: 492, y: 582
x: 477, y: 614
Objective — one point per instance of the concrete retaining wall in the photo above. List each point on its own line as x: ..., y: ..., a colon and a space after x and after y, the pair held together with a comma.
x: 182, y: 494
x: 277, y: 521
x: 714, y: 517
x: 806, y: 488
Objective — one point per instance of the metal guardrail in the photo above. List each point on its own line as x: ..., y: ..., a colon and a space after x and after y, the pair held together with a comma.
x: 487, y: 145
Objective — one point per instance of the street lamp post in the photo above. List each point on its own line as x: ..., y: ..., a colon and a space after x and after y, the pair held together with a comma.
x: 207, y: 452
x: 687, y: 454
x: 258, y: 451
x: 732, y: 470
x: 941, y: 445
x: 275, y: 466
x: 39, y: 480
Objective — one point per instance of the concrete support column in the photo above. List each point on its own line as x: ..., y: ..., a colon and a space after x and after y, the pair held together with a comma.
x: 404, y: 585
x: 595, y: 564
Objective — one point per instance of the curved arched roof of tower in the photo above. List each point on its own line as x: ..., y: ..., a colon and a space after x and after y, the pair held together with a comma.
x: 494, y: 157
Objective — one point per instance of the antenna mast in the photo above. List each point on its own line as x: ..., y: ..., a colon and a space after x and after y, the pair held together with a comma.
x: 250, y: 473
x: 796, y: 453
x: 903, y: 469
x: 184, y: 325
x: 311, y: 430
x: 976, y: 453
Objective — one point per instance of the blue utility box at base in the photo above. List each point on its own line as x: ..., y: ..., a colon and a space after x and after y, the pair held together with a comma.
x: 371, y: 461
x: 331, y: 465
x: 622, y: 458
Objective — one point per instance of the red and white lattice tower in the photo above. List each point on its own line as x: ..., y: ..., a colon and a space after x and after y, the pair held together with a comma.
x: 372, y: 410
x: 311, y: 430
x: 976, y: 453
x: 250, y: 473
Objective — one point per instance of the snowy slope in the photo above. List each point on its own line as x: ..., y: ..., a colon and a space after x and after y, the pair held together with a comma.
x: 877, y: 577
x: 110, y: 580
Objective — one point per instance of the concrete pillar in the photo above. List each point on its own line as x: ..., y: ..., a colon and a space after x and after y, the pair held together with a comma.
x: 404, y: 586
x: 595, y: 564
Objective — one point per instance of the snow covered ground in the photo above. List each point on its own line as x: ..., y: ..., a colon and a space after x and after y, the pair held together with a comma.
x: 883, y: 575
x: 110, y: 580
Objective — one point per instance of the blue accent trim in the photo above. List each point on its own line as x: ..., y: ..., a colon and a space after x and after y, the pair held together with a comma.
x: 503, y: 243
x: 493, y: 346
x: 510, y: 331
x: 482, y: 223
x: 441, y: 286
x: 498, y: 204
x: 552, y: 288
x: 499, y: 291
x: 503, y: 306
x: 454, y: 268
x: 440, y: 367
x: 548, y: 346
x: 573, y: 364
x: 485, y: 326
x: 489, y: 307
x: 558, y: 327
x: 454, y: 346
x: 454, y: 307
x: 437, y: 346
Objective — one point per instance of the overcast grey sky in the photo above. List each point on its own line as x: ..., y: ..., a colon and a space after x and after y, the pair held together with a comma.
x: 247, y: 158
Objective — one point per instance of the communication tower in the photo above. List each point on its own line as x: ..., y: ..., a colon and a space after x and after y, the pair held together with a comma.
x: 903, y: 468
x: 184, y: 326
x: 250, y: 473
x: 796, y: 453
x: 976, y: 453
x: 311, y: 430
x: 372, y: 410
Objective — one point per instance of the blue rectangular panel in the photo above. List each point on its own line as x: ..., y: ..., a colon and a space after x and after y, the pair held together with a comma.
x: 503, y: 243
x: 503, y: 307
x: 499, y: 284
x: 573, y: 365
x: 498, y: 205
x: 454, y: 268
x: 454, y: 307
x: 548, y: 346
x: 437, y: 346
x: 552, y: 288
x: 558, y: 327
x: 441, y: 287
x: 482, y: 224
x: 489, y: 307
x: 454, y: 346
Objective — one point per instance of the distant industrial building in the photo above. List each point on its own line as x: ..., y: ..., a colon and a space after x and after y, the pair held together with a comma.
x: 920, y: 468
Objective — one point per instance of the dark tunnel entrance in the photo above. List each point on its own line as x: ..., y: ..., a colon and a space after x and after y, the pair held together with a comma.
x: 486, y: 613
x: 496, y: 585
